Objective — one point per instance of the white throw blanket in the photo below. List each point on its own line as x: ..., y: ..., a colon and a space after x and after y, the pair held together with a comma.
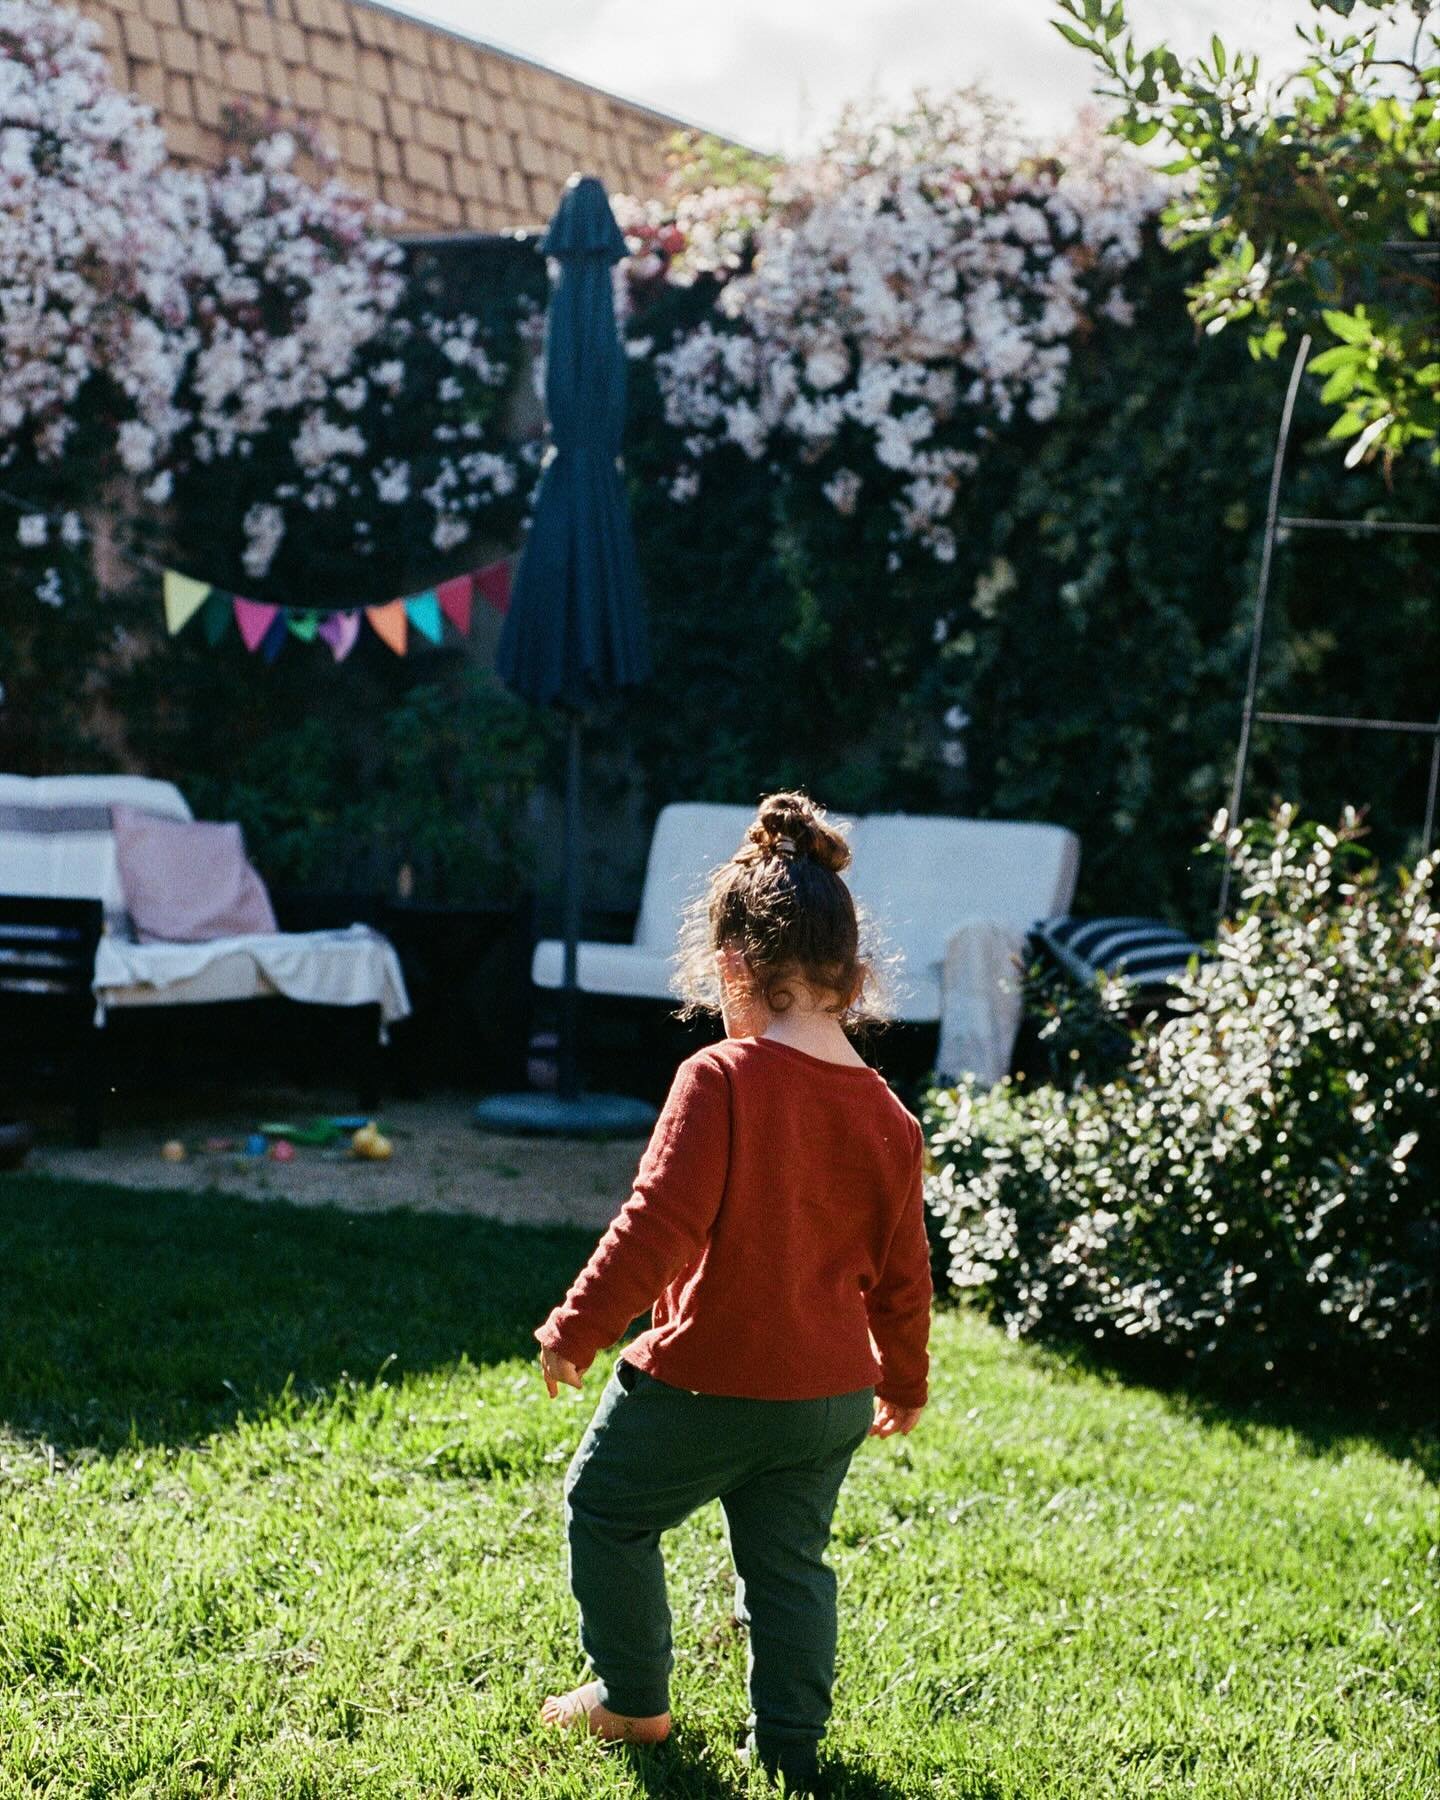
x: 980, y: 1000
x: 350, y: 967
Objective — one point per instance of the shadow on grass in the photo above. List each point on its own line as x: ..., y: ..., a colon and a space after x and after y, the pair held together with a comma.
x: 684, y: 1768
x: 160, y: 1318
x: 1400, y: 1422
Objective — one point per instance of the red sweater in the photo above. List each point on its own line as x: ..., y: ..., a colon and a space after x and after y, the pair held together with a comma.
x: 776, y: 1228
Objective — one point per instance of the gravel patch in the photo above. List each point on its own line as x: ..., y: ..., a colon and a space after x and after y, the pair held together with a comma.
x: 441, y: 1162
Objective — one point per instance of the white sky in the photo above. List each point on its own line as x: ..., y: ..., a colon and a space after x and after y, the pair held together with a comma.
x: 773, y: 72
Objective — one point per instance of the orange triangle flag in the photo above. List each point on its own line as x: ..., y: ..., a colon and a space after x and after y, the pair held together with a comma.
x: 390, y: 624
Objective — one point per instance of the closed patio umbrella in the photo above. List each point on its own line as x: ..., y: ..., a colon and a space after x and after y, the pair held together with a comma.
x: 575, y: 630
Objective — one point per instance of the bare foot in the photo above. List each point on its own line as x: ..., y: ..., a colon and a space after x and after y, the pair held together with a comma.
x: 581, y: 1706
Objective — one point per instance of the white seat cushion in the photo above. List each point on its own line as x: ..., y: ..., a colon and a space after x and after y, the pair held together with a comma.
x: 350, y: 967
x: 631, y: 970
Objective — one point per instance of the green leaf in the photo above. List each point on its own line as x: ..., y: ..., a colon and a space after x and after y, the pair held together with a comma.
x: 1217, y: 51
x: 1075, y: 36
x: 1354, y: 328
x: 1347, y: 425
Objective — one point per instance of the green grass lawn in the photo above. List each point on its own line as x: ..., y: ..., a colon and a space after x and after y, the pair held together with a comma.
x: 280, y: 1516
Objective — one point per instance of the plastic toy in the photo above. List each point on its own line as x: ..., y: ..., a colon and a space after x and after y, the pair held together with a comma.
x: 370, y: 1145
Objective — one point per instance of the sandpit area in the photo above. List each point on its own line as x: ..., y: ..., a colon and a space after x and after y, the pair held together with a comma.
x: 441, y: 1162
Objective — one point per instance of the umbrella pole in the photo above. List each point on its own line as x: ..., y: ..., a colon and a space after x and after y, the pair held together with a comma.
x: 569, y: 1069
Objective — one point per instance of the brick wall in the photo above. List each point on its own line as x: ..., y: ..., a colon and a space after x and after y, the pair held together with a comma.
x: 460, y: 136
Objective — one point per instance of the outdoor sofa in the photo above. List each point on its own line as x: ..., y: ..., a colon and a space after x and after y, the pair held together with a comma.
x: 65, y: 936
x: 953, y: 900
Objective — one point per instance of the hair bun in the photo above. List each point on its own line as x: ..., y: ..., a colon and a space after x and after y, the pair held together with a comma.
x: 793, y: 825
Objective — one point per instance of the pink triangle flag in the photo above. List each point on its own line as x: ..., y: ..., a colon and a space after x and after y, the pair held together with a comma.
x: 254, y: 620
x: 492, y: 583
x: 454, y: 597
x: 339, y: 631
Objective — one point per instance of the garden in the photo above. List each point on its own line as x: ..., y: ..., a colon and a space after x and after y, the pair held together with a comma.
x: 947, y: 455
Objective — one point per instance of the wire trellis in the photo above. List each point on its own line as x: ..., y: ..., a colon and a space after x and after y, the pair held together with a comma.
x: 1277, y: 522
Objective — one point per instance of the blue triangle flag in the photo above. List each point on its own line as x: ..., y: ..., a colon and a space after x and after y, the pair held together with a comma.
x: 423, y: 611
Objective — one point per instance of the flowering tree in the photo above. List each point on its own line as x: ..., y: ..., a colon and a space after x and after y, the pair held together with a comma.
x: 164, y: 323
x: 886, y: 307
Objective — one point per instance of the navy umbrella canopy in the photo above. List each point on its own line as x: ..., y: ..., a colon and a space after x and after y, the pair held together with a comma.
x: 576, y: 626
x: 575, y: 630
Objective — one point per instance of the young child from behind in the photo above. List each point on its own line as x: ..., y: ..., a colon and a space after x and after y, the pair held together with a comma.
x: 777, y: 1230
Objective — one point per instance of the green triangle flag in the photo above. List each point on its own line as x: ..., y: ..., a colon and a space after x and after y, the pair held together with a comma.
x: 424, y: 613
x: 216, y: 617
x: 303, y: 625
x: 183, y: 599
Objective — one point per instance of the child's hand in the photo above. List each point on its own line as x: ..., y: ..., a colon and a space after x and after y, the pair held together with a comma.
x: 555, y: 1369
x: 890, y: 1419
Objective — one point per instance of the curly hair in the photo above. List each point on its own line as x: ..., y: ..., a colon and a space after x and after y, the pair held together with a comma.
x: 783, y: 903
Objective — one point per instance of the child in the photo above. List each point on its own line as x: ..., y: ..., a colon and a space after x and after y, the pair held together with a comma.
x: 776, y: 1226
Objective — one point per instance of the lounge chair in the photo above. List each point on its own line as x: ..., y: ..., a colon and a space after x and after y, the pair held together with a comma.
x: 953, y: 899
x: 61, y: 902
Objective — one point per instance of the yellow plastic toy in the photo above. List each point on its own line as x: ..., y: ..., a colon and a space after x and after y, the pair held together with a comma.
x: 369, y: 1144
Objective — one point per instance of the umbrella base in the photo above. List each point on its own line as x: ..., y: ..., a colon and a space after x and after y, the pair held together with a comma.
x: 548, y: 1115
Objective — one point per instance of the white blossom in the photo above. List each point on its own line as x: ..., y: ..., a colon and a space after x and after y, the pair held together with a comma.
x: 842, y: 490
x: 264, y: 528
x: 922, y: 283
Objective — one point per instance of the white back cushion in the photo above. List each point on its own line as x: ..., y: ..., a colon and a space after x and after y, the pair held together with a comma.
x: 691, y: 839
x: 65, y: 848
x: 920, y: 877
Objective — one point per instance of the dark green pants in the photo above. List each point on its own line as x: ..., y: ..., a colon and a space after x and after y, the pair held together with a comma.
x: 651, y: 1456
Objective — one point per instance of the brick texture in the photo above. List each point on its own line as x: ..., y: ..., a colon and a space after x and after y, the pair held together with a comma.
x: 456, y: 134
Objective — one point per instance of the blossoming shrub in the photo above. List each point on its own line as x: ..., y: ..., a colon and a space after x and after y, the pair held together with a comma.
x: 1260, y: 1189
x: 888, y: 306
x: 177, y: 325
x: 1082, y: 658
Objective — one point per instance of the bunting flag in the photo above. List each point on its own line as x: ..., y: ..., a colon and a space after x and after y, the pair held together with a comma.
x: 254, y: 620
x: 390, y: 624
x: 493, y: 584
x: 275, y: 638
x: 183, y: 599
x: 216, y: 618
x: 423, y: 612
x: 455, y: 597
x: 340, y: 631
x: 265, y: 627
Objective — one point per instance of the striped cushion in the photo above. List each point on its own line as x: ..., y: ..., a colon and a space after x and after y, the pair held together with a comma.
x: 56, y: 840
x: 1146, y: 953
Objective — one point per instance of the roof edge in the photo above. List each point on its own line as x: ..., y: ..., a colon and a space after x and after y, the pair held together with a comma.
x: 418, y: 16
